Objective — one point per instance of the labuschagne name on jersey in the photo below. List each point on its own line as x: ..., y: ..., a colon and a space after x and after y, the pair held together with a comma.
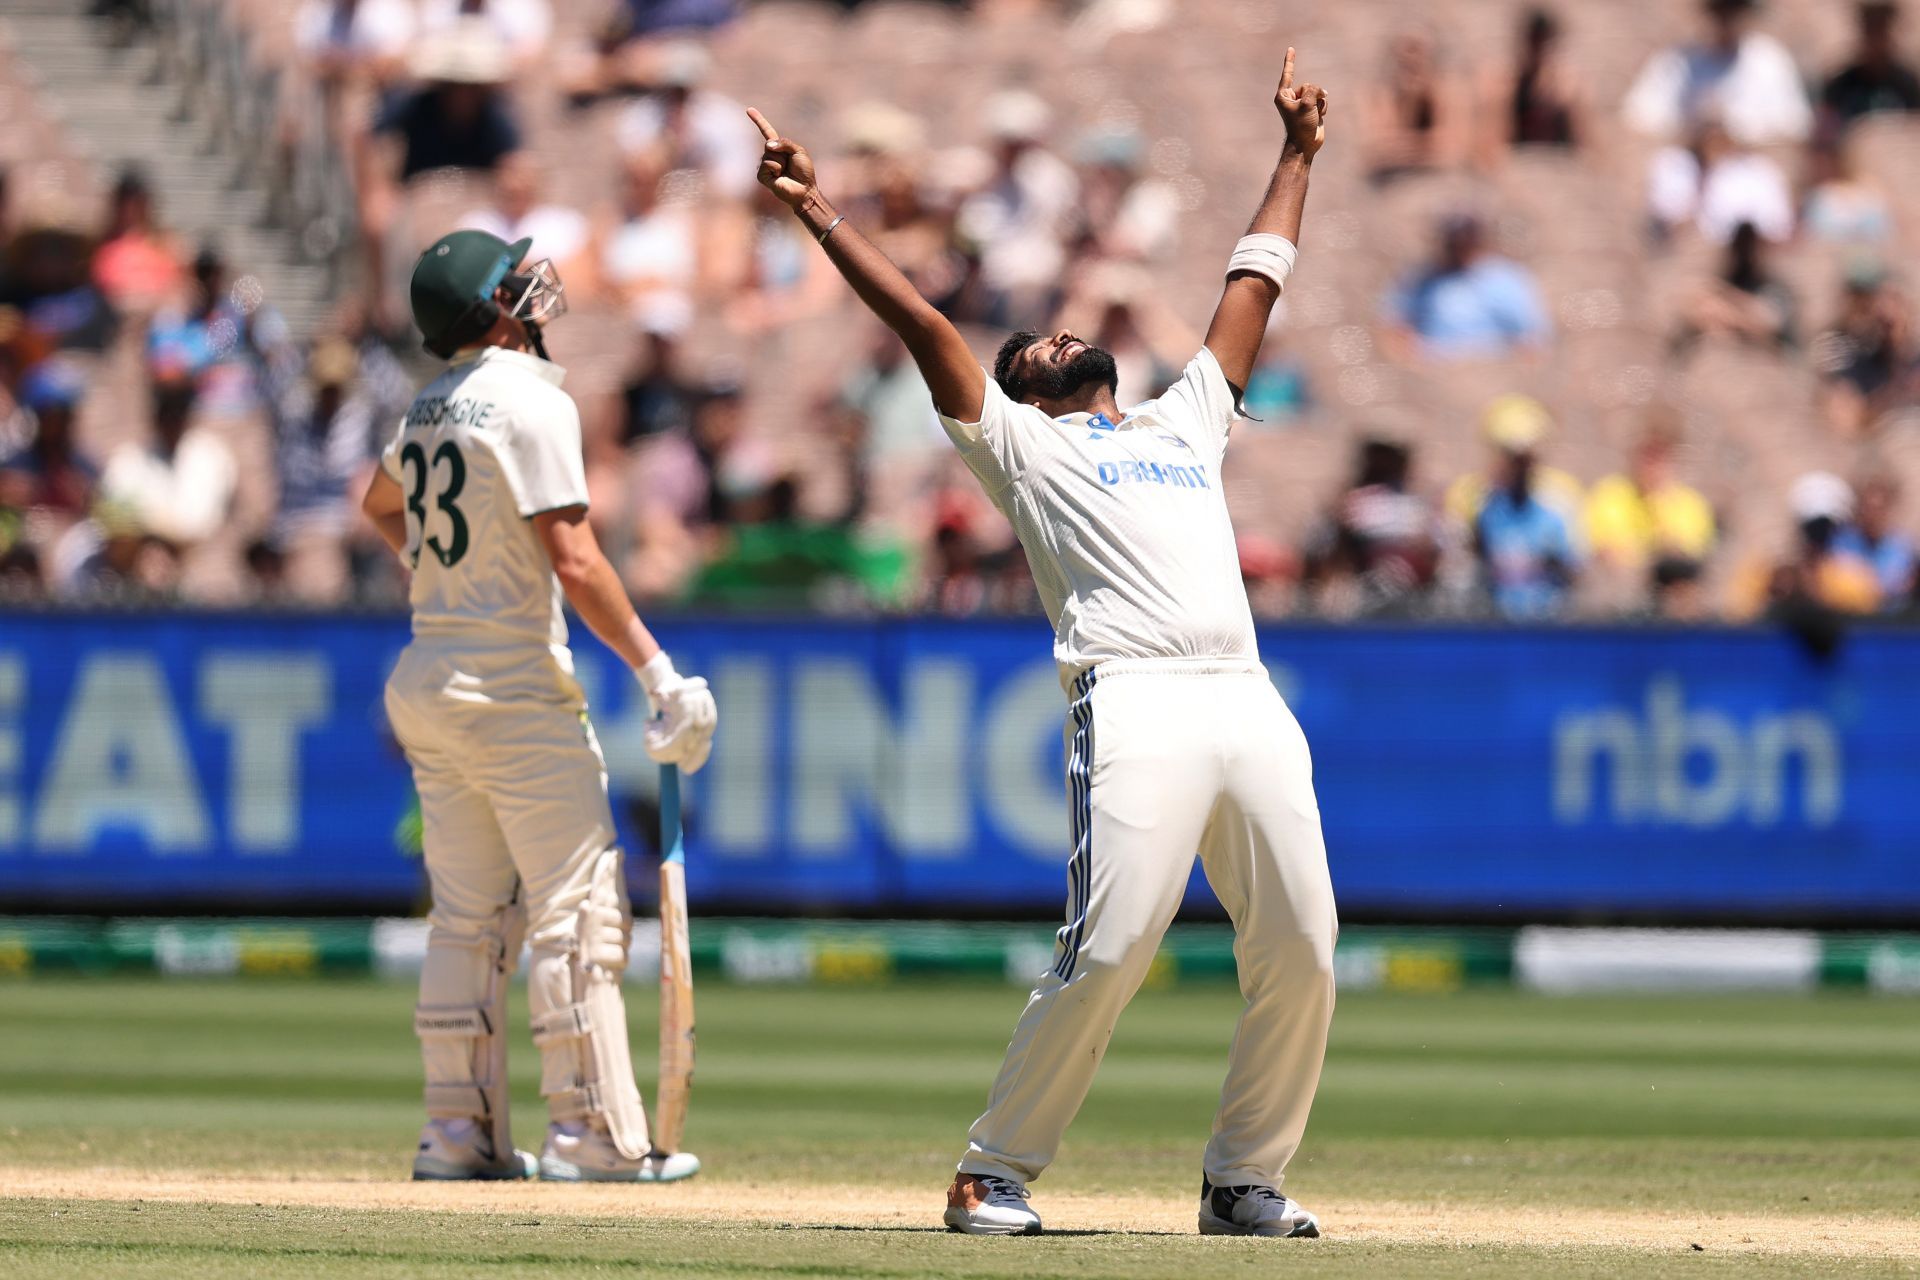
x: 431, y: 411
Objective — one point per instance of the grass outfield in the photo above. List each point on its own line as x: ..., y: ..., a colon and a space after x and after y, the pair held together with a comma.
x: 252, y: 1128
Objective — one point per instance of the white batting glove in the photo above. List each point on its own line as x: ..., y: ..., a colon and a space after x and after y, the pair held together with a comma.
x: 681, y: 731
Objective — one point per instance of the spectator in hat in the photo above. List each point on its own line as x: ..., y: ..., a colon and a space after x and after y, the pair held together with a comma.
x: 1525, y: 545
x: 1821, y: 577
x: 138, y: 266
x: 1876, y: 78
x: 524, y: 26
x: 1467, y: 302
x: 1866, y: 356
x: 458, y: 118
x: 1741, y: 75
x: 1873, y: 538
x: 1513, y: 424
x: 893, y: 203
x: 1017, y: 222
x: 1645, y: 526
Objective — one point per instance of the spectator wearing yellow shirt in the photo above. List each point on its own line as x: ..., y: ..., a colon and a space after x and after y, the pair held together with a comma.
x: 1651, y: 530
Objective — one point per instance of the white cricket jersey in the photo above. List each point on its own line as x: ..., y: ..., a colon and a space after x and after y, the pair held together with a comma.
x: 1124, y: 524
x: 490, y: 443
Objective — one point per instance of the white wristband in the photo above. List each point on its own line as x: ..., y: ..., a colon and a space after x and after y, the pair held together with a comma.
x: 659, y: 669
x: 1265, y: 255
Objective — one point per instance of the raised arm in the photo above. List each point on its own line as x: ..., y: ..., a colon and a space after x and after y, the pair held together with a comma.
x: 958, y: 383
x: 1240, y: 321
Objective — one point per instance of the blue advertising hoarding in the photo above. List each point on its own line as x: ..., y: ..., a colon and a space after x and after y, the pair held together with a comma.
x: 914, y: 766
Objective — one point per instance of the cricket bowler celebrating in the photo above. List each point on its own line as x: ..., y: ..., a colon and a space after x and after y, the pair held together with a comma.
x: 1176, y: 738
x: 484, y: 492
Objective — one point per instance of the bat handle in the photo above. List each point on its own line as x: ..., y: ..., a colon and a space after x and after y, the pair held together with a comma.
x: 672, y: 841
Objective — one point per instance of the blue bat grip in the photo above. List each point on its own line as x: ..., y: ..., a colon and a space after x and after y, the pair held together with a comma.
x: 672, y: 843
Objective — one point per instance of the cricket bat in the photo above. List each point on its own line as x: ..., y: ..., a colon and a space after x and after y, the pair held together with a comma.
x: 676, y: 973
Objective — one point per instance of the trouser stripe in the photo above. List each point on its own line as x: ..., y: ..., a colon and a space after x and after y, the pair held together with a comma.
x: 1080, y: 827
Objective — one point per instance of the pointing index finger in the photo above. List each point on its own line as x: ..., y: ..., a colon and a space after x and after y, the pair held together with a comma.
x: 1286, y: 70
x: 767, y: 130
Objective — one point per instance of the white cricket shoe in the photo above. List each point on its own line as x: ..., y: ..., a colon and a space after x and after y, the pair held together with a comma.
x: 1252, y: 1210
x: 982, y: 1204
x: 584, y: 1153
x: 461, y: 1150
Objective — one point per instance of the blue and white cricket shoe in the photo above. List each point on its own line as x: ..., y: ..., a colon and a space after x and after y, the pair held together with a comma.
x: 462, y: 1151
x: 584, y: 1153
x: 1252, y: 1210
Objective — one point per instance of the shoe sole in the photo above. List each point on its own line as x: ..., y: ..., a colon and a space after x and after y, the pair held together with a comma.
x: 960, y: 1223
x: 553, y: 1170
x: 523, y: 1167
x: 1213, y: 1226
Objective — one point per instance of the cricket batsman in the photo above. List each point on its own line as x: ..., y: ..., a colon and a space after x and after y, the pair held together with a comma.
x: 1176, y: 739
x: 484, y: 492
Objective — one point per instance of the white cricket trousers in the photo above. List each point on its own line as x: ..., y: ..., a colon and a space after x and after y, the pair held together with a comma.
x: 513, y: 789
x: 513, y: 799
x: 1166, y: 757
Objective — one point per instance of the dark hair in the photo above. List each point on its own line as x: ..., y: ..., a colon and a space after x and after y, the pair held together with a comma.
x: 1008, y: 360
x: 1541, y: 26
x: 132, y: 181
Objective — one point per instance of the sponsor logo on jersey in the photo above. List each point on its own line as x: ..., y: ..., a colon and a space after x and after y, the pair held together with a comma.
x: 1131, y: 472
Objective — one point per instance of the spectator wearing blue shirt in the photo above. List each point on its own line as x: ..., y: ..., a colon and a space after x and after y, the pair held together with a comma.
x: 1872, y: 537
x: 1468, y: 303
x: 1525, y: 546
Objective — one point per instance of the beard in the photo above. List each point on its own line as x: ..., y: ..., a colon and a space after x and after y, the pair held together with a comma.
x: 1058, y: 381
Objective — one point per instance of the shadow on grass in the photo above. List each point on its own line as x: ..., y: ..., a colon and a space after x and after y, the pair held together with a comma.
x: 1049, y: 1234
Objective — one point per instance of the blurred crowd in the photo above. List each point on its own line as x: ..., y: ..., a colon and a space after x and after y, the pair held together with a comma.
x: 681, y: 270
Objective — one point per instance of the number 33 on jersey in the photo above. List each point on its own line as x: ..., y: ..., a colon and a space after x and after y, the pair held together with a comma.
x: 482, y: 450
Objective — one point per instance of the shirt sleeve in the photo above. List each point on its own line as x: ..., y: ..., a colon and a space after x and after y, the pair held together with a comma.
x: 994, y: 448
x: 1653, y: 104
x: 542, y: 459
x: 1202, y: 406
x: 390, y: 453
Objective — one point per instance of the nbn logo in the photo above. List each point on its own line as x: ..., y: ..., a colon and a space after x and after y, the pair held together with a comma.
x: 1131, y: 472
x: 1695, y: 767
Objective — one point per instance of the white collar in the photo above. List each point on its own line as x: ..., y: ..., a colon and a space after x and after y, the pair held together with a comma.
x: 546, y: 370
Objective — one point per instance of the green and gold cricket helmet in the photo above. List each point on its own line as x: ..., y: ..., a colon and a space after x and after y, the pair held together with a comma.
x: 455, y: 289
